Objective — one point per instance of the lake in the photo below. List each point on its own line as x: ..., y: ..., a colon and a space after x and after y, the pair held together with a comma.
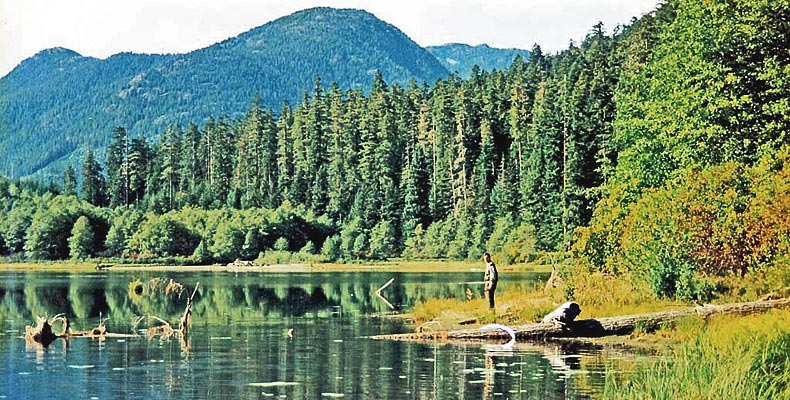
x: 269, y: 335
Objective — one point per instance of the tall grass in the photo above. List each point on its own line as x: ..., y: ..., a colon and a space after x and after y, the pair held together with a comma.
x: 730, y: 357
x: 598, y: 295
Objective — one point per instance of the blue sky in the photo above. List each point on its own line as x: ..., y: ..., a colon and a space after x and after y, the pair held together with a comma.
x: 101, y: 28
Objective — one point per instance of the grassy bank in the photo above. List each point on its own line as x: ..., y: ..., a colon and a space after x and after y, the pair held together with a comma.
x: 599, y: 296
x: 725, y: 357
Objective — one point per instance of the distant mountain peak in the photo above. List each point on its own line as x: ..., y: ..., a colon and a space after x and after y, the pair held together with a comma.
x: 57, y: 51
x: 461, y: 58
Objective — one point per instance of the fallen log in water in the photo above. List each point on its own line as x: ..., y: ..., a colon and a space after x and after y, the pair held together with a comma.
x: 610, y: 326
x: 42, y: 334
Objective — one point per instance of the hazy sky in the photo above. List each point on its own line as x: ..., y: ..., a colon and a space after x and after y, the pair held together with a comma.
x: 100, y: 28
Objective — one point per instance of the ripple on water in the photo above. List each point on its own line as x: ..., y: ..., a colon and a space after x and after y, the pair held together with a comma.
x: 272, y: 384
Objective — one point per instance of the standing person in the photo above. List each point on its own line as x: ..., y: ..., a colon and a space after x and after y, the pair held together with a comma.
x: 491, y: 278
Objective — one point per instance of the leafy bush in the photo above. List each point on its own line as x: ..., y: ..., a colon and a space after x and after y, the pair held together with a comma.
x: 383, y: 242
x: 281, y: 244
x: 81, y: 241
x: 520, y: 244
x: 331, y: 249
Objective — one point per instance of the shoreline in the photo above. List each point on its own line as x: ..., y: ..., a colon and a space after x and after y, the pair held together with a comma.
x: 429, y: 266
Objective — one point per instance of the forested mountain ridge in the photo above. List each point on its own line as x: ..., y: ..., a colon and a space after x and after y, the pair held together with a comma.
x: 461, y: 58
x: 57, y: 103
x: 57, y: 100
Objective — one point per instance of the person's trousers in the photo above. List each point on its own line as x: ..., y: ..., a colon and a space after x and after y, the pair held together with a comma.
x: 490, y: 295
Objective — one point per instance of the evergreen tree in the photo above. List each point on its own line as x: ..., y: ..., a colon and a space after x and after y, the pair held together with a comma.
x: 93, y: 186
x: 316, y: 150
x: 249, y: 162
x: 191, y: 166
x: 118, y: 168
x: 542, y: 183
x: 415, y: 187
x: 220, y: 141
x: 338, y: 190
x: 69, y: 181
x: 170, y: 153
x: 138, y: 162
x: 285, y: 160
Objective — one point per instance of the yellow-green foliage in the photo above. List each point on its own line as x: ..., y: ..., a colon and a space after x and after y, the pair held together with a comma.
x: 603, y: 295
x: 714, y: 222
x: 599, y: 295
x: 515, y: 304
x: 730, y: 357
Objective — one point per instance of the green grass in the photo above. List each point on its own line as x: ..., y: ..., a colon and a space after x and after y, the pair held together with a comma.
x: 729, y: 357
x: 598, y: 295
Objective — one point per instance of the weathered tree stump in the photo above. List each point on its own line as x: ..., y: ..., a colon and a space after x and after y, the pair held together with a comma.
x: 41, y: 333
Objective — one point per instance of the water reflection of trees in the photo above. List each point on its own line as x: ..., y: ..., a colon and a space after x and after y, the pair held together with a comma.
x: 220, y: 298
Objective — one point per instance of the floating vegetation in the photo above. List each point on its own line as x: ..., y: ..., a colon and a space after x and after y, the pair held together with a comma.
x: 138, y: 289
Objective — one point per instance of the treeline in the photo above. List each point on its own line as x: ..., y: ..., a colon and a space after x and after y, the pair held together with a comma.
x: 40, y: 225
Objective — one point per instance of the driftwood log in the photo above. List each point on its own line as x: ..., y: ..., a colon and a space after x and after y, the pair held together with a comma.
x: 611, y: 326
x: 42, y: 334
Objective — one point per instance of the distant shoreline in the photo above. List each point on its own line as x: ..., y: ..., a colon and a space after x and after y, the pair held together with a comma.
x: 387, y: 266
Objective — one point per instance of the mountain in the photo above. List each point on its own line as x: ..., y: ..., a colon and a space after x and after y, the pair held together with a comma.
x: 457, y: 57
x: 56, y: 103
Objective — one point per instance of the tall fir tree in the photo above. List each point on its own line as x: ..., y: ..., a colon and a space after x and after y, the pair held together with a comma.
x: 118, y: 168
x: 69, y: 181
x: 93, y: 185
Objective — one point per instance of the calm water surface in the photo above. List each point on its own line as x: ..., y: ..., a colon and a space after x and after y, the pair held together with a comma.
x: 239, y: 344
